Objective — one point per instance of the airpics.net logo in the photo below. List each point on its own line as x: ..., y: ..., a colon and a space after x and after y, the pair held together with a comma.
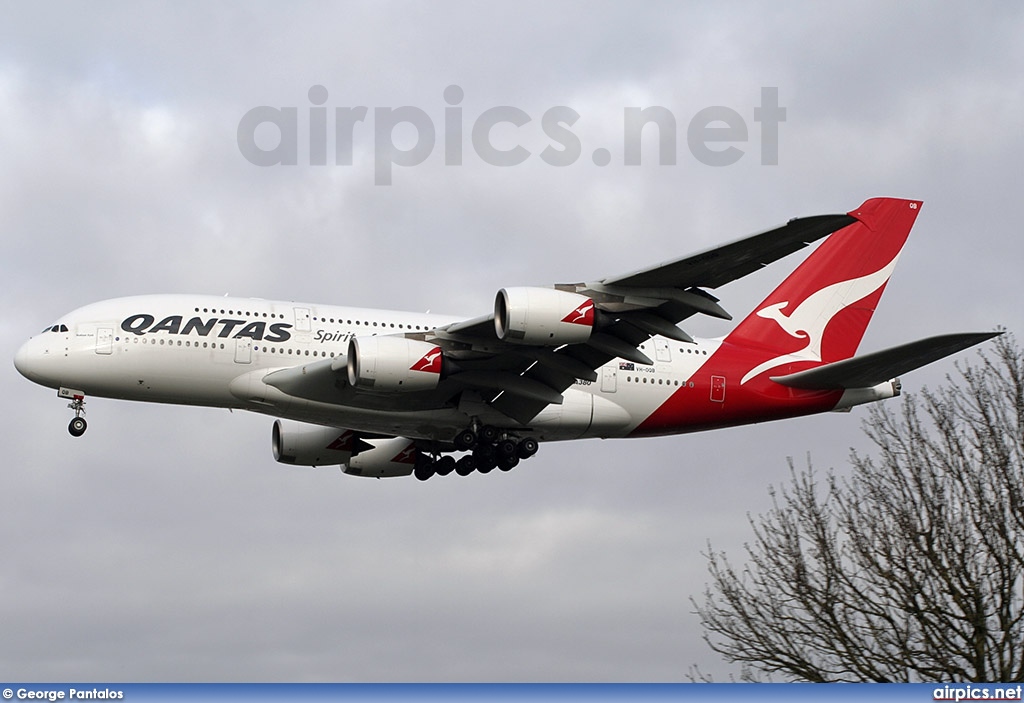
x: 715, y: 136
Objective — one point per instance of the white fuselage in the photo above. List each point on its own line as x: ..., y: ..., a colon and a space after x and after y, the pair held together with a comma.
x: 214, y: 351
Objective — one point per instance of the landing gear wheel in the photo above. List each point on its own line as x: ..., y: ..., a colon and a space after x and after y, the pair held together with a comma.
x: 507, y: 463
x: 483, y: 452
x: 507, y: 448
x: 424, y: 468
x: 465, y: 466
x: 489, y: 433
x: 527, y: 447
x: 485, y: 456
x: 77, y: 426
x: 445, y: 465
x: 465, y: 440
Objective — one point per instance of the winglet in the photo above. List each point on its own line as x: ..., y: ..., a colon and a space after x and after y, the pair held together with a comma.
x: 875, y: 213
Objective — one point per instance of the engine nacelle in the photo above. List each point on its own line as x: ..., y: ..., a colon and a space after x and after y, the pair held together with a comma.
x: 301, y: 444
x: 389, y: 457
x: 543, y: 316
x: 393, y: 364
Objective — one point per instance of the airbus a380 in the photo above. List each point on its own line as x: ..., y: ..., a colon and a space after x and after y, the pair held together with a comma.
x: 383, y: 393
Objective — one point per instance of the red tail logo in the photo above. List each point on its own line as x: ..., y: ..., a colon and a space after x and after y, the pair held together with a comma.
x: 430, y: 363
x: 583, y: 315
x: 820, y: 312
x: 809, y: 319
x: 406, y: 456
x: 343, y: 443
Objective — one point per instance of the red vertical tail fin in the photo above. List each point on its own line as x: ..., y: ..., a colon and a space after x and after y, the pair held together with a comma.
x: 821, y: 311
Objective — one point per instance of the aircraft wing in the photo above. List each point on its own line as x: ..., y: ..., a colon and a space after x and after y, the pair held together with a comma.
x: 707, y: 269
x: 520, y: 378
x: 319, y: 381
x: 720, y: 265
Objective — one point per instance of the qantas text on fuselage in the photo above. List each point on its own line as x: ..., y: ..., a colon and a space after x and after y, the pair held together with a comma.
x: 143, y: 323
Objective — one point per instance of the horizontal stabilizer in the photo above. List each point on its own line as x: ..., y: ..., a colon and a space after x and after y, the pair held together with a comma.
x: 871, y: 369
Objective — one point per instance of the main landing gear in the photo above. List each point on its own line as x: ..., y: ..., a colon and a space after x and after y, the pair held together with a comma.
x: 489, y: 448
x: 78, y: 425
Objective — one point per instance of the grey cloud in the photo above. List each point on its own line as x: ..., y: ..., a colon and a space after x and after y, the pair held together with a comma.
x: 167, y: 545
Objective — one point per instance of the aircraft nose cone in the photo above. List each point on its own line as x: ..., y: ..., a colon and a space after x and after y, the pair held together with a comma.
x: 22, y: 360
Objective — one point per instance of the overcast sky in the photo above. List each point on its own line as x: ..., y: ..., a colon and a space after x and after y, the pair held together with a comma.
x: 168, y: 545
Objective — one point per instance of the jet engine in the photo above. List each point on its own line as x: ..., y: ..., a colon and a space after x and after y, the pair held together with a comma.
x: 396, y: 456
x: 302, y: 444
x: 543, y: 316
x: 393, y: 364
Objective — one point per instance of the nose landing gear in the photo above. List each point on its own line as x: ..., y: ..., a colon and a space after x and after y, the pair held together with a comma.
x: 78, y: 425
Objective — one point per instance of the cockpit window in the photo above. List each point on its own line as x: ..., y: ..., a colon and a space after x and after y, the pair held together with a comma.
x: 56, y: 328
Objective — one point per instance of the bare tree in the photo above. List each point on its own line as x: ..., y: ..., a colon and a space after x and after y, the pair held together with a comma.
x: 910, y: 569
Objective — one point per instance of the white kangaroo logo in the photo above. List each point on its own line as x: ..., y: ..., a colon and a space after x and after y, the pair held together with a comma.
x: 811, y: 317
x: 427, y: 362
x: 406, y: 456
x: 580, y: 314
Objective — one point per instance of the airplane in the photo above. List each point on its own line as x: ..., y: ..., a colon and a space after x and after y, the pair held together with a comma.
x: 384, y: 393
